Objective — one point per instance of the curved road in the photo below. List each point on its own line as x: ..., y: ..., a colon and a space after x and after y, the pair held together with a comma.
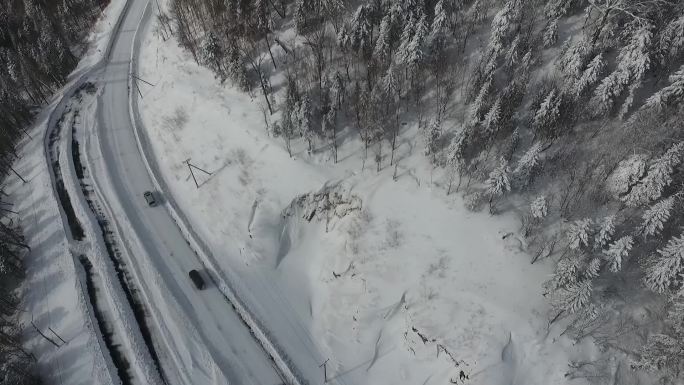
x: 201, y: 338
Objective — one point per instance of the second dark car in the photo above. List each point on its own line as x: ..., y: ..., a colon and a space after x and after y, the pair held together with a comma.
x: 197, y: 279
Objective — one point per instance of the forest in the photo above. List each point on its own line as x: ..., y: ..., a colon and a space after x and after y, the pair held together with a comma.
x: 40, y: 43
x: 566, y: 112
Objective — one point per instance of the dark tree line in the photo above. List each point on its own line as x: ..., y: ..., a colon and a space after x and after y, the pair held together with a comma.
x: 16, y: 362
x: 39, y: 44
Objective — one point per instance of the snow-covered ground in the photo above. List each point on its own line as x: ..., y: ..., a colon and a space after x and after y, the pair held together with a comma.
x: 392, y: 280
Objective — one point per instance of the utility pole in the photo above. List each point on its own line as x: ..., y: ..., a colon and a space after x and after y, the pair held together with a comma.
x: 136, y: 78
x: 50, y: 340
x: 191, y: 167
x: 137, y: 87
x: 142, y: 80
x: 325, y: 370
x: 58, y: 336
x: 17, y: 174
x: 187, y: 161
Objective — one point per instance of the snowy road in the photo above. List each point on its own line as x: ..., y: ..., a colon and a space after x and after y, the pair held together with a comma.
x: 204, y: 339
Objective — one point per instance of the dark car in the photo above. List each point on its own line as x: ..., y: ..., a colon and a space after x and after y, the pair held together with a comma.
x: 149, y: 198
x: 197, y: 279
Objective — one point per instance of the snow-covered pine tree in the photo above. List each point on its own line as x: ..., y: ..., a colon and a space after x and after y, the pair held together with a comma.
x: 344, y: 38
x: 593, y: 268
x: 405, y: 39
x: 383, y: 43
x: 671, y: 41
x: 573, y: 297
x: 665, y: 352
x: 361, y: 30
x: 286, y: 128
x: 617, y: 252
x: 479, y: 105
x: 608, y: 90
x: 498, y: 183
x: 567, y: 272
x: 656, y: 217
x: 638, y: 55
x: 658, y: 176
x: 414, y: 8
x: 329, y: 128
x: 416, y: 52
x: 510, y: 146
x: 634, y: 60
x: 436, y: 40
x: 513, y: 52
x: 667, y: 267
x: 301, y: 16
x: 590, y: 75
x: 501, y: 26
x: 539, y: 208
x: 477, y: 13
x: 554, y: 9
x: 212, y: 52
x: 455, y: 160
x: 548, y: 114
x: 524, y: 170
x: 605, y: 232
x: 305, y: 126
x: 670, y: 95
x: 261, y: 14
x: 236, y: 67
x: 440, y: 22
x: 337, y: 89
x: 578, y: 233
x: 492, y: 119
x: 390, y: 83
x: 433, y: 139
x: 573, y: 57
x: 551, y: 33
x: 331, y: 9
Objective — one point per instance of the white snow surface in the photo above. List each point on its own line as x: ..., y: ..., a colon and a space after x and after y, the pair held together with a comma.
x: 360, y: 287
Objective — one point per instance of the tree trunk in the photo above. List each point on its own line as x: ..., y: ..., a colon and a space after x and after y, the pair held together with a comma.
x: 378, y: 159
x: 264, y: 89
x: 17, y: 174
x: 394, y: 145
x: 268, y: 45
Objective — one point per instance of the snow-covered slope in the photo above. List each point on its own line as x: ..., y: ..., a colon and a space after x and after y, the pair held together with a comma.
x: 386, y: 277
